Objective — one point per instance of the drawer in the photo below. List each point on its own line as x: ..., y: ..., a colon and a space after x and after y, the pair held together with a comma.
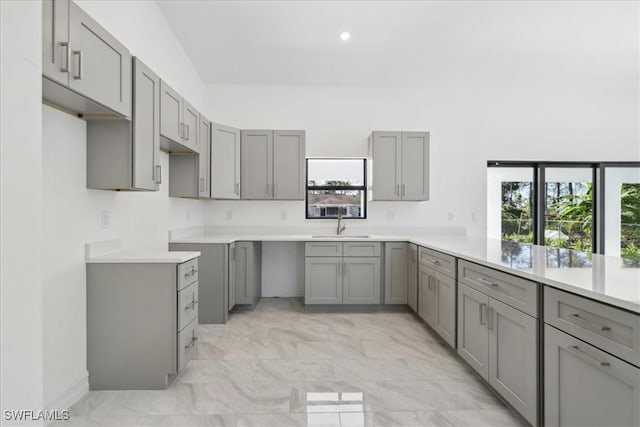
x: 362, y: 249
x: 519, y: 293
x: 187, y: 305
x: 187, y: 273
x: 323, y: 249
x: 445, y: 264
x: 187, y: 343
x: 611, y: 329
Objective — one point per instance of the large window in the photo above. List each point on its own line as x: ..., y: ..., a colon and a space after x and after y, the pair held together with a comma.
x: 336, y: 186
x: 590, y: 207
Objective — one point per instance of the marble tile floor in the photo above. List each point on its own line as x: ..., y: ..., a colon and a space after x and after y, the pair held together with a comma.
x: 282, y: 366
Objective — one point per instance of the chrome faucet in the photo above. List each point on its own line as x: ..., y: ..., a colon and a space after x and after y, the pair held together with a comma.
x: 341, y: 225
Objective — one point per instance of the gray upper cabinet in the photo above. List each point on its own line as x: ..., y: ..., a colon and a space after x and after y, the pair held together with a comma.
x: 204, y: 169
x: 288, y: 165
x: 191, y: 119
x: 125, y: 155
x: 257, y: 164
x: 225, y: 162
x: 361, y: 280
x: 412, y: 285
x: 396, y: 272
x: 400, y: 166
x: 85, y: 69
x: 171, y: 110
x: 273, y: 165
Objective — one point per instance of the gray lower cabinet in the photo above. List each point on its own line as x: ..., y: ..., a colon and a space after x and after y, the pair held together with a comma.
x: 272, y: 165
x: 361, y: 280
x: 141, y: 323
x: 400, y: 165
x: 412, y: 280
x: 248, y: 274
x: 426, y: 295
x: 204, y: 158
x: 125, y: 155
x: 214, y: 278
x: 225, y: 162
x: 323, y: 280
x: 445, y: 307
x: 85, y: 69
x: 585, y: 386
x: 231, y: 285
x: 500, y: 343
x: 343, y: 272
x: 396, y: 272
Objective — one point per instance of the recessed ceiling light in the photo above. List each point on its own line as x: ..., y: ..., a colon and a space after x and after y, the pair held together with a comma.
x: 345, y: 35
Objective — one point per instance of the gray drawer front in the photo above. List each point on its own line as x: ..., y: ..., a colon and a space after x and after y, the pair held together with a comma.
x: 362, y: 248
x: 518, y: 293
x: 445, y: 264
x: 187, y: 343
x: 187, y: 305
x: 187, y: 273
x: 323, y: 249
x: 606, y: 327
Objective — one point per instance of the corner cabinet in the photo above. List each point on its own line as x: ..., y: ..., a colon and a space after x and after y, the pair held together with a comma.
x: 342, y: 272
x: 400, y: 165
x: 125, y: 155
x: 225, y: 162
x: 85, y: 69
x: 396, y: 272
x: 273, y: 165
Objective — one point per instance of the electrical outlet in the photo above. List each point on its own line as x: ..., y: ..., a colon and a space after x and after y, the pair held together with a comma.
x: 283, y: 215
x: 188, y: 215
x: 391, y: 216
x: 105, y: 219
x: 228, y: 215
x: 474, y: 216
x: 449, y: 216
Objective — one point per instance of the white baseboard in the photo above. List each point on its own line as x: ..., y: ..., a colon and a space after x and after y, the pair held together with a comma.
x: 67, y: 397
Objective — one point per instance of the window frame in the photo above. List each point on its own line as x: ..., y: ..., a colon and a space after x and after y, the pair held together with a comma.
x: 539, y: 196
x: 362, y: 188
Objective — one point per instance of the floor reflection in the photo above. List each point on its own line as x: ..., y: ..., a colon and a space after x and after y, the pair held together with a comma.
x: 335, y: 408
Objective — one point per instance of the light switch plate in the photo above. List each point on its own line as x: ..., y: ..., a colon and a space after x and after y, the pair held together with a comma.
x: 228, y: 215
x: 449, y: 216
x: 105, y: 219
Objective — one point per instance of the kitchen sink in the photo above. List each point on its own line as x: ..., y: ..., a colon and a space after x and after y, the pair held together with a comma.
x: 339, y: 236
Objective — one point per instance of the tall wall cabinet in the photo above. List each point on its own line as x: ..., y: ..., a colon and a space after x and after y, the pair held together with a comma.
x: 400, y: 165
x: 225, y: 162
x: 84, y: 68
x: 273, y: 165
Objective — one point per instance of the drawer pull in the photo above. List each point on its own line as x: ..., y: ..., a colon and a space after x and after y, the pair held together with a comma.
x: 487, y: 282
x: 192, y: 343
x: 435, y: 261
x: 191, y: 273
x: 191, y: 305
x: 602, y: 328
x: 587, y: 357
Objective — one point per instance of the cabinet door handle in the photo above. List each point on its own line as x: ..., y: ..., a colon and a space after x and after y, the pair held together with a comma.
x: 188, y: 133
x: 158, y: 174
x: 202, y: 184
x: 397, y: 189
x: 237, y: 189
x: 585, y: 356
x: 490, y: 317
x: 600, y: 327
x: 181, y: 131
x: 80, y: 75
x: 404, y: 189
x: 268, y: 189
x: 483, y: 314
x: 275, y: 190
x: 67, y: 56
x: 486, y: 282
x: 435, y: 261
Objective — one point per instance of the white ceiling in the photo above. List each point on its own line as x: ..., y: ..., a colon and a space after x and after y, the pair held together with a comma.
x: 393, y: 42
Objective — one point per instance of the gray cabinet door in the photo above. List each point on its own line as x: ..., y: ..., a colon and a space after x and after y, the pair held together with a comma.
x: 415, y: 166
x: 412, y: 286
x: 585, y: 386
x: 513, y: 362
x: 257, y: 164
x: 225, y: 162
x: 445, y: 312
x: 386, y: 167
x: 146, y: 127
x: 361, y: 281
x: 100, y: 64
x: 473, y: 335
x: 232, y: 276
x: 289, y: 165
x: 191, y: 118
x: 323, y: 280
x: 204, y: 139
x: 245, y: 289
x: 426, y: 295
x: 170, y: 113
x: 396, y: 272
x: 55, y: 40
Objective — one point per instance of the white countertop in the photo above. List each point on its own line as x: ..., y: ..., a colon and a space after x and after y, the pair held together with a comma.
x: 602, y: 278
x: 145, y: 257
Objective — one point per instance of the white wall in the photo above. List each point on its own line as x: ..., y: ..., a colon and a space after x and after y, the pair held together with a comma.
x: 72, y: 213
x: 21, y: 359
